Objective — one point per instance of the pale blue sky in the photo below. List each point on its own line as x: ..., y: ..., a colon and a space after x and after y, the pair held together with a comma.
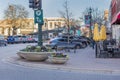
x: 51, y: 8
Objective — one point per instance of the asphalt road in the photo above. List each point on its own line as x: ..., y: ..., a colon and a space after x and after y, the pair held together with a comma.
x: 10, y: 71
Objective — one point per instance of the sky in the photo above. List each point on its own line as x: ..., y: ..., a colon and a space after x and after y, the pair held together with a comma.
x: 51, y: 8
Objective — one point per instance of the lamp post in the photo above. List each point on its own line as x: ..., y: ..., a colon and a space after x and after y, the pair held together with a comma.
x: 46, y: 26
x: 90, y: 14
x: 56, y: 29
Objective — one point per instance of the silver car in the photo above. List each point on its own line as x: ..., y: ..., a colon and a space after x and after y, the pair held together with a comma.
x: 63, y: 42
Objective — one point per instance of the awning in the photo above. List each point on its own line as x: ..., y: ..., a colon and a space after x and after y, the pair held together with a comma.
x: 116, y: 19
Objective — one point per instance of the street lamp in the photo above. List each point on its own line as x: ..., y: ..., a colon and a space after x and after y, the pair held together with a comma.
x: 90, y: 14
x: 46, y: 25
x: 56, y: 30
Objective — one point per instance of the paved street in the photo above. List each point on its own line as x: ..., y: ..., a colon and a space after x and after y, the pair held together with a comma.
x: 20, y: 73
x: 10, y: 71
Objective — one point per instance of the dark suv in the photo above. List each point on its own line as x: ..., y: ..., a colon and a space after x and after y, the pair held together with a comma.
x: 64, y: 42
x: 76, y: 39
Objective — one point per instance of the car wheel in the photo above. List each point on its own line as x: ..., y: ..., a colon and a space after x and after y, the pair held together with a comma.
x: 77, y: 46
x: 55, y: 47
x: 84, y: 45
x: 5, y: 44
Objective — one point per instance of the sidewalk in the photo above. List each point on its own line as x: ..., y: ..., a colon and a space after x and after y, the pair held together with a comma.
x: 83, y: 60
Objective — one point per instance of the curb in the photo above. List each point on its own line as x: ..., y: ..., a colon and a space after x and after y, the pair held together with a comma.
x: 42, y: 65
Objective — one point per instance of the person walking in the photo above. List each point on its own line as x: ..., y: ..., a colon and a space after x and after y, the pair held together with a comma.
x: 92, y: 43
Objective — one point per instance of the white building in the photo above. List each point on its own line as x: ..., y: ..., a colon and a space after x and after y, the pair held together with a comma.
x: 29, y: 27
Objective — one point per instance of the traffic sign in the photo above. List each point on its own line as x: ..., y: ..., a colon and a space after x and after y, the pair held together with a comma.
x: 38, y: 16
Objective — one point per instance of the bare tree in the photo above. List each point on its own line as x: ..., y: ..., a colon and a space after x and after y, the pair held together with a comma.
x: 97, y: 15
x: 15, y: 16
x: 66, y: 14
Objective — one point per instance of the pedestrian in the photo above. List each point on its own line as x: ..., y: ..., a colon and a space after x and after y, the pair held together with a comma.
x: 92, y: 44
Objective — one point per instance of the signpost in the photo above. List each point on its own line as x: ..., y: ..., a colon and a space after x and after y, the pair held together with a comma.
x: 38, y: 17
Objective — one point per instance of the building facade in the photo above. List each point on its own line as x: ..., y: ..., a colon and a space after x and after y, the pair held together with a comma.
x: 24, y: 27
x: 115, y: 19
x: 115, y: 11
x: 53, y: 23
x: 27, y: 26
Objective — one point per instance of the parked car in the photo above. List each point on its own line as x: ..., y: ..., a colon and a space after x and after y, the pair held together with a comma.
x: 30, y: 39
x: 24, y: 39
x: 14, y: 39
x: 53, y: 43
x: 36, y: 39
x: 3, y: 41
x: 76, y: 39
x: 86, y: 38
x: 84, y: 42
x: 20, y: 39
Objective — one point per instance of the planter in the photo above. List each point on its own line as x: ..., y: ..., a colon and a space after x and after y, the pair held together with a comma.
x: 33, y: 56
x: 58, y: 60
x: 21, y: 55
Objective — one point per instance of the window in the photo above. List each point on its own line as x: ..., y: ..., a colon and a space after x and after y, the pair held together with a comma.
x: 45, y: 24
x: 55, y: 23
x: 51, y: 24
x: 61, y: 40
x: 65, y: 40
x: 59, y: 23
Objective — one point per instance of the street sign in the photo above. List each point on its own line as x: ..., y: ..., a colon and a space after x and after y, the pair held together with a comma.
x: 87, y: 20
x: 38, y: 16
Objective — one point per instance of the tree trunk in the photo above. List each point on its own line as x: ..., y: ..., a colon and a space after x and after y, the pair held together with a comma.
x: 3, y: 30
x: 8, y: 31
x: 14, y: 31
